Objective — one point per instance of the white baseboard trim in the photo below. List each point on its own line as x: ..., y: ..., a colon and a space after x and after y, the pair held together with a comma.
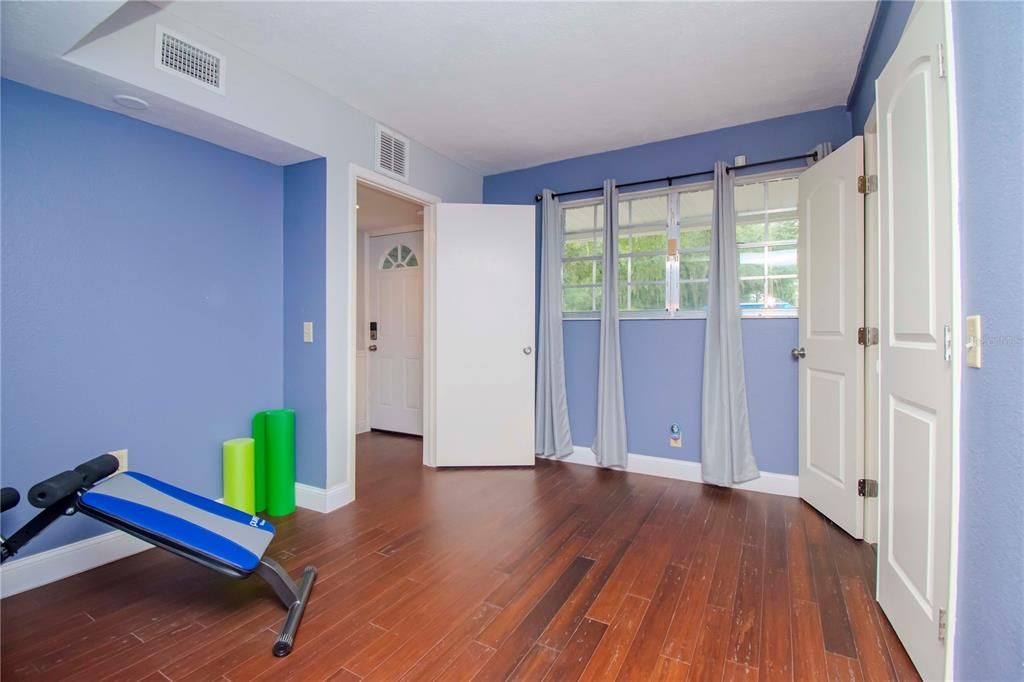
x: 321, y: 500
x: 773, y: 484
x: 362, y: 427
x: 19, y: 575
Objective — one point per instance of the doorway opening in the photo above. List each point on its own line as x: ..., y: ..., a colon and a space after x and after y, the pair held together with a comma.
x: 390, y: 313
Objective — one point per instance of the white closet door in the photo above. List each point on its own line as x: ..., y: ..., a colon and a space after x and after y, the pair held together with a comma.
x: 831, y: 256
x: 915, y: 344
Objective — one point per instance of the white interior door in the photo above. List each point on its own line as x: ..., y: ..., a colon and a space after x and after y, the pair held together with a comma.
x: 915, y: 340
x: 396, y: 355
x: 484, y: 335
x: 831, y: 254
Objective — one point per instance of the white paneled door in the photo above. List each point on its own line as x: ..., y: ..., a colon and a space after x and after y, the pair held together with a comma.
x: 484, y: 291
x: 831, y: 256
x: 396, y: 355
x: 915, y: 340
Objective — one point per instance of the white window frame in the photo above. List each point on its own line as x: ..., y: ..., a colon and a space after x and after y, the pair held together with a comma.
x: 783, y: 313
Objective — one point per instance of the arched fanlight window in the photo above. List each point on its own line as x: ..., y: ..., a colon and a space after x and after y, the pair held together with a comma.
x: 399, y: 257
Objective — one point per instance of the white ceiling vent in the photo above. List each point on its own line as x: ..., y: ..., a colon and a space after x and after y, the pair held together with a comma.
x: 183, y: 57
x: 392, y: 152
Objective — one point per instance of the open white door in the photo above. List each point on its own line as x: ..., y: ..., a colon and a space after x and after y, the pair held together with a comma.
x: 396, y: 355
x: 484, y: 383
x: 831, y: 254
x: 915, y: 339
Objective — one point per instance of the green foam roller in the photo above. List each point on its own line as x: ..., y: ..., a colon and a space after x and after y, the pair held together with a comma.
x: 280, y: 431
x: 259, y: 436
x: 239, y: 488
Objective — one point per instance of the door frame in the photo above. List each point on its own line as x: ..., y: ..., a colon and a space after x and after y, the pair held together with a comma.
x: 872, y: 308
x: 874, y: 453
x: 356, y: 175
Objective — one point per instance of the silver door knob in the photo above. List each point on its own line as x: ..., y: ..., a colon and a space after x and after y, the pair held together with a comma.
x: 373, y: 348
x: 799, y: 353
x: 527, y: 350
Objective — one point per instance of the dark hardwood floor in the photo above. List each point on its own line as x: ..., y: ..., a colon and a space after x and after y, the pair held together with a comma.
x: 562, y: 572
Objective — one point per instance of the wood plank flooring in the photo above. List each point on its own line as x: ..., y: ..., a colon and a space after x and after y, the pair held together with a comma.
x: 558, y: 573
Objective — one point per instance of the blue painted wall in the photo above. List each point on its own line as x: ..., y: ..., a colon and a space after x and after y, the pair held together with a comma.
x: 890, y: 19
x: 989, y: 54
x: 663, y: 359
x: 141, y: 297
x: 305, y: 230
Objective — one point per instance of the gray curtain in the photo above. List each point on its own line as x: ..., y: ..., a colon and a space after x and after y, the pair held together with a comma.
x: 823, y: 150
x: 553, y: 438
x: 727, y: 456
x: 610, y: 439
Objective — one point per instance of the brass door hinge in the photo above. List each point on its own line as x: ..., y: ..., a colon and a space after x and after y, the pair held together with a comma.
x: 867, y: 184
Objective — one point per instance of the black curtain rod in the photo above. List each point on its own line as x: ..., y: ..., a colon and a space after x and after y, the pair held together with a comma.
x: 671, y: 178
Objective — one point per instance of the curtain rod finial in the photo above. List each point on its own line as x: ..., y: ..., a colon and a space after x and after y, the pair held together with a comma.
x: 538, y: 197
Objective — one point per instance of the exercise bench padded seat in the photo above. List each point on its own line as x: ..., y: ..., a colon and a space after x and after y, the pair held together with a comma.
x: 224, y: 539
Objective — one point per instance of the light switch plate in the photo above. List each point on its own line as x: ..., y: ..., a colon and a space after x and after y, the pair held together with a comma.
x: 122, y: 459
x: 740, y: 160
x: 974, y: 340
x: 307, y: 332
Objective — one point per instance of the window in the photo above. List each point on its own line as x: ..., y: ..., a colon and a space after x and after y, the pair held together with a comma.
x: 766, y: 237
x: 643, y: 243
x: 583, y: 226
x: 651, y: 283
x: 695, y: 208
x: 399, y: 257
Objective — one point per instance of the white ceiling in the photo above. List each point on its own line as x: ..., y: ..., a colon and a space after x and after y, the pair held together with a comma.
x: 505, y: 85
x: 382, y: 211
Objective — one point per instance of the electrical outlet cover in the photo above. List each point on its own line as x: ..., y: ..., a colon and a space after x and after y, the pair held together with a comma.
x: 122, y: 458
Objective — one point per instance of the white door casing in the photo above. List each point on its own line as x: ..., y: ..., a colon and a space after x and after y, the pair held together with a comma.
x: 831, y: 256
x: 396, y: 305
x: 484, y: 279
x: 915, y: 339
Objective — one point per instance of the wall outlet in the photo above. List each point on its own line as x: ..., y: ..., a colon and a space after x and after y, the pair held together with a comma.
x: 122, y: 460
x: 307, y: 332
x: 675, y: 437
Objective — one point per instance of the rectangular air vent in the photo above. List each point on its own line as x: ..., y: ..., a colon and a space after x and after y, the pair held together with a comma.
x: 182, y: 57
x: 392, y: 152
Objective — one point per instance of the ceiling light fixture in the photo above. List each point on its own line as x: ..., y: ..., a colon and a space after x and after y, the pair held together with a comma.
x: 129, y: 102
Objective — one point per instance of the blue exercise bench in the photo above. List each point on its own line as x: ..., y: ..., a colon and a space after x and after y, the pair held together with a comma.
x: 219, y: 537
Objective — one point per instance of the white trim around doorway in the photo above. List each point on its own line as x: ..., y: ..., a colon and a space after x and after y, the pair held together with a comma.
x: 358, y: 174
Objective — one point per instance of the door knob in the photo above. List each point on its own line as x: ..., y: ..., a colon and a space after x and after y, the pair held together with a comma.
x: 527, y: 350
x: 799, y: 353
x: 373, y: 348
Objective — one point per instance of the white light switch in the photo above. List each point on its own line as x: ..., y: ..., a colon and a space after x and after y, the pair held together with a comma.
x: 307, y: 332
x: 974, y: 340
x: 740, y: 160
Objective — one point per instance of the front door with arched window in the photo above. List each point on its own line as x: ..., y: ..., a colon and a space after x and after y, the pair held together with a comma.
x: 396, y: 355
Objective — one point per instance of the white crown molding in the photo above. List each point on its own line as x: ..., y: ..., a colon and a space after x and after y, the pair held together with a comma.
x: 680, y: 470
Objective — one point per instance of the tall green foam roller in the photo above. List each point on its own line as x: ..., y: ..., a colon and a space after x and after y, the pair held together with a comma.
x: 259, y: 436
x: 280, y: 431
x: 238, y: 474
